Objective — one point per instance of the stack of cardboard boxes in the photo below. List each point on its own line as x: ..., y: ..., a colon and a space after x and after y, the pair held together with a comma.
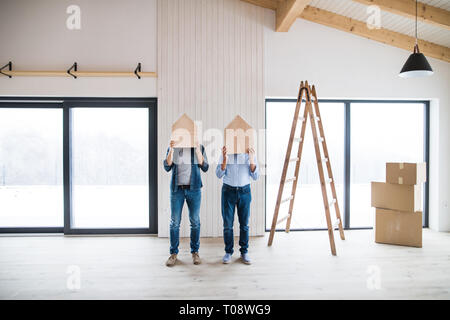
x: 398, y: 219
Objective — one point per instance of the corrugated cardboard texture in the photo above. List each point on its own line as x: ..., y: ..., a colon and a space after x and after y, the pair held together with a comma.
x: 406, y: 173
x: 184, y: 132
x: 396, y: 196
x: 396, y: 227
x: 239, y: 136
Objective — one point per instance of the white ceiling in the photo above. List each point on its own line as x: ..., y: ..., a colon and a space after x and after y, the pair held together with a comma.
x: 444, y: 4
x: 391, y: 21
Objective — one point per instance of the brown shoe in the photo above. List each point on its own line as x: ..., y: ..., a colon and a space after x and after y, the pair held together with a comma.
x: 196, y: 258
x: 171, y: 261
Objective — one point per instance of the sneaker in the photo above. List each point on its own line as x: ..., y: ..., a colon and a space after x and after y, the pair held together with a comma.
x: 245, y: 258
x: 196, y: 258
x: 171, y: 261
x: 226, y: 258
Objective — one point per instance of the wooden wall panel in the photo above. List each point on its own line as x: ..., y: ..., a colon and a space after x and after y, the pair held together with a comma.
x: 210, y: 65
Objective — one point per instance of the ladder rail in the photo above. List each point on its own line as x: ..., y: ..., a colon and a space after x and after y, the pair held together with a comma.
x: 328, y: 164
x: 322, y: 177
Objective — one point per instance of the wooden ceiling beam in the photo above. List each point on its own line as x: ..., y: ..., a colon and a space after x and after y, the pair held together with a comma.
x: 407, y: 8
x: 287, y: 12
x: 359, y: 28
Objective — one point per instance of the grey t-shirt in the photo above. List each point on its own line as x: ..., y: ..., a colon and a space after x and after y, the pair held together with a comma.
x: 183, y: 161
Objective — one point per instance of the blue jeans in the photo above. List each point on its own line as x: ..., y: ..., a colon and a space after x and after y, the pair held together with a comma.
x: 240, y: 198
x: 193, y: 199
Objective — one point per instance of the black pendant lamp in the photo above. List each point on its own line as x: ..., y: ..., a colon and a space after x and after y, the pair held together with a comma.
x: 416, y: 65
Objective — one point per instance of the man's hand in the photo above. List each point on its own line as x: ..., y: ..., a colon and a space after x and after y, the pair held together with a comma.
x: 224, y: 157
x: 170, y: 154
x: 251, y: 155
x: 251, y: 158
x: 198, y: 153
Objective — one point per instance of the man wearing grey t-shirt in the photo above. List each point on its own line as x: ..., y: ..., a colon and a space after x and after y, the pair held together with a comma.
x: 185, y: 185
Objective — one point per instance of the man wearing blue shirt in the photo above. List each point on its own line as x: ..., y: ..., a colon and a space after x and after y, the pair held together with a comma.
x: 236, y: 171
x: 185, y: 185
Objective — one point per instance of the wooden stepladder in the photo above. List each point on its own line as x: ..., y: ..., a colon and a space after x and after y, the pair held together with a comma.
x: 309, y: 95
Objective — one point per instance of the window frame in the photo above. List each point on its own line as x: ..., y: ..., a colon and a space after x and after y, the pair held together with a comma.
x: 66, y: 104
x: 347, y: 156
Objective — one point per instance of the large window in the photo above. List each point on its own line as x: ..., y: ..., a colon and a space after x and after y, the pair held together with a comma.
x: 380, y: 133
x: 361, y: 137
x: 307, y: 213
x: 31, y: 167
x: 110, y: 168
x: 78, y: 165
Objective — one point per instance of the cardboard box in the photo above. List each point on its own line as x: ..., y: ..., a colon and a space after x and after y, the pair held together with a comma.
x: 184, y: 132
x: 396, y: 227
x: 396, y: 196
x: 239, y: 136
x: 406, y: 173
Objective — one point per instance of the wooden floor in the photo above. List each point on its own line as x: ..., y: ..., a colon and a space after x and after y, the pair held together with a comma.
x: 297, y: 266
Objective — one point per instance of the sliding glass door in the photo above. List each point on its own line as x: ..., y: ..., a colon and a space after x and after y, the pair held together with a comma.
x: 31, y: 167
x: 361, y: 137
x: 380, y: 133
x: 307, y: 213
x: 110, y: 168
x: 78, y: 165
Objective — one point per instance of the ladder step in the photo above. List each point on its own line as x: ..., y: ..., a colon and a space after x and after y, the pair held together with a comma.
x: 298, y: 139
x: 321, y: 139
x: 324, y: 159
x: 287, y: 199
x: 283, y: 218
x: 332, y: 202
x: 329, y: 180
x: 336, y: 223
x: 293, y: 160
x: 317, y: 118
x: 301, y: 119
x: 290, y: 180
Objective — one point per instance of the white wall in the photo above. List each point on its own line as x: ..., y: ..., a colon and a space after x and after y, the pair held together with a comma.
x: 115, y: 35
x: 211, y: 67
x: 342, y: 65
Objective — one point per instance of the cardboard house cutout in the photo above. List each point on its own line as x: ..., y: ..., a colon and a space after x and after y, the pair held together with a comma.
x: 184, y: 132
x: 239, y: 136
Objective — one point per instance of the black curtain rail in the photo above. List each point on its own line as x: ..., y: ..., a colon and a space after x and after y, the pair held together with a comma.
x: 74, y: 72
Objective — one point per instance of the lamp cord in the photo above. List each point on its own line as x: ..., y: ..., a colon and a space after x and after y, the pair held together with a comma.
x: 416, y: 22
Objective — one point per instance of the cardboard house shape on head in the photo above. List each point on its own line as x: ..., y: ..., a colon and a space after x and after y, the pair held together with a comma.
x: 184, y: 132
x: 239, y: 136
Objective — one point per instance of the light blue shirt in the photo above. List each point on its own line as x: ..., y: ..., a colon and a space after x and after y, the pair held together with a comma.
x: 237, y: 173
